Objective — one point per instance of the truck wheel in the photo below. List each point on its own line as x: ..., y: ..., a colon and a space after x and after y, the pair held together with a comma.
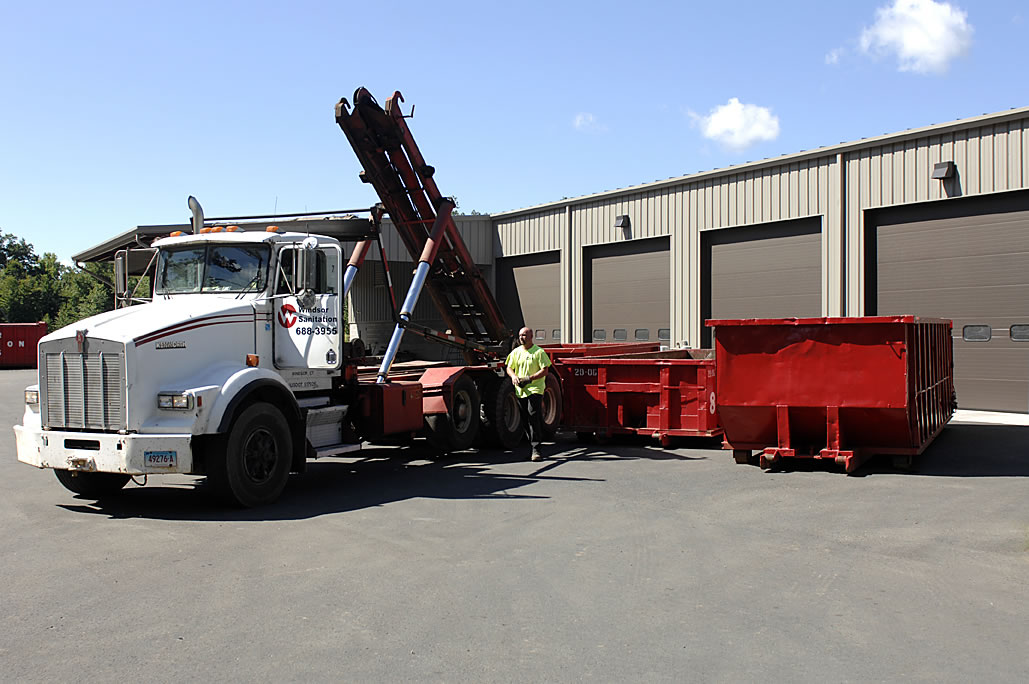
x: 552, y: 405
x: 92, y: 485
x: 254, y: 467
x: 503, y: 416
x: 457, y: 429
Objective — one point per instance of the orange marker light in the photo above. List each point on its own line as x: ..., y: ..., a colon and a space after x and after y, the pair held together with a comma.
x: 176, y: 233
x: 253, y: 360
x: 271, y: 229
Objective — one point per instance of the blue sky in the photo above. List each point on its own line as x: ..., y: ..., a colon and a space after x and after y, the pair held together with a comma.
x: 113, y: 113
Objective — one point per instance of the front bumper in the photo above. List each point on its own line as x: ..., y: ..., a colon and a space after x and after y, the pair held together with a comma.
x: 132, y: 454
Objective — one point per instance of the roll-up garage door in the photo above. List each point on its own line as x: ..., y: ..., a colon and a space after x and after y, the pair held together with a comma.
x: 966, y: 260
x: 629, y: 291
x: 772, y: 270
x: 529, y: 293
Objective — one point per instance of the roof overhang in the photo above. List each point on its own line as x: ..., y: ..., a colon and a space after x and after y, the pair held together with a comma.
x: 344, y: 229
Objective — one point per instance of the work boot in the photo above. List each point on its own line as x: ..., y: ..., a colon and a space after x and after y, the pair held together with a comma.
x: 536, y: 455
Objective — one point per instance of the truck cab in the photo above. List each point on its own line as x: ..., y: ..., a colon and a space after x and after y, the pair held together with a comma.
x: 238, y: 352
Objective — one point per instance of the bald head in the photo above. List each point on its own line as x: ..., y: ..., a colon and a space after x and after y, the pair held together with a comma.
x: 525, y: 337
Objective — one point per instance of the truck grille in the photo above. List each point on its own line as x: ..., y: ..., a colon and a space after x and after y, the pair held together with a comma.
x: 85, y: 391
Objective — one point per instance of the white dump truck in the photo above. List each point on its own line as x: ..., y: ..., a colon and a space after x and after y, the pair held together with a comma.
x: 236, y: 368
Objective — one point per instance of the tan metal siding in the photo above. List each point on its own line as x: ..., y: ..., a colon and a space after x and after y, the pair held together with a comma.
x: 838, y: 184
x: 476, y: 231
x: 530, y: 233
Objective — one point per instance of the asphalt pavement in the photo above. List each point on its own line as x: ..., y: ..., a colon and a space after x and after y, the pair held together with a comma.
x: 613, y: 563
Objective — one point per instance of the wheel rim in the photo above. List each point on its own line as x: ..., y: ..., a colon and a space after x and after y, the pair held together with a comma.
x: 549, y: 408
x: 511, y: 413
x: 462, y: 411
x: 260, y: 456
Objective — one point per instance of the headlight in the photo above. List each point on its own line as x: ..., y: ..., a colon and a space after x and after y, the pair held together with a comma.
x: 180, y: 401
x: 32, y: 397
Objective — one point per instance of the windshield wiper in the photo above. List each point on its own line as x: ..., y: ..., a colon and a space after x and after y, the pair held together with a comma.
x: 246, y: 288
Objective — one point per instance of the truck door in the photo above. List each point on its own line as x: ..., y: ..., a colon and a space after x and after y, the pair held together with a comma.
x: 308, y: 325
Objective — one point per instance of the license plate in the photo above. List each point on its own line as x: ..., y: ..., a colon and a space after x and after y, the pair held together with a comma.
x: 160, y: 459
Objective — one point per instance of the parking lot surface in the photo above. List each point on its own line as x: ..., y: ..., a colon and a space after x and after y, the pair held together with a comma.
x: 622, y: 562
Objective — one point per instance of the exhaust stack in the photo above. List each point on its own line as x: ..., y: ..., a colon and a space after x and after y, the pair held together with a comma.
x: 198, y: 214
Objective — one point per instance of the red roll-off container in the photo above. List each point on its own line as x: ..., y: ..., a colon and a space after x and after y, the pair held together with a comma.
x: 18, y: 342
x: 833, y: 388
x: 664, y: 394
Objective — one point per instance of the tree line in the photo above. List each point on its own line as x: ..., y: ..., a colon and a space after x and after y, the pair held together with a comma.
x: 40, y: 288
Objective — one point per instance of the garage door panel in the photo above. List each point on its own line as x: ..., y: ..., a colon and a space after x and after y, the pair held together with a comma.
x: 994, y: 234
x: 630, y: 287
x: 787, y: 255
x: 973, y: 268
x: 1003, y: 303
x: 529, y: 292
x: 775, y: 306
x: 988, y: 360
x: 766, y: 284
x: 770, y: 271
x: 991, y: 395
x: 962, y: 270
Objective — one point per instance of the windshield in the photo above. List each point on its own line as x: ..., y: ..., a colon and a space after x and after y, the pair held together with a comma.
x: 212, y: 268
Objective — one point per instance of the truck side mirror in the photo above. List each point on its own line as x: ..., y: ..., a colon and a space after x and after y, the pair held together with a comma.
x: 121, y: 275
x: 306, y: 262
x: 306, y: 277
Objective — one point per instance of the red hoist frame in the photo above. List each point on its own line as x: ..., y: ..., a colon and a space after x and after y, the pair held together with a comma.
x: 394, y: 166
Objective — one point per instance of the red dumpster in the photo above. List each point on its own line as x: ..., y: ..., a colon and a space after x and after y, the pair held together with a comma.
x: 18, y: 342
x: 663, y: 394
x: 833, y: 388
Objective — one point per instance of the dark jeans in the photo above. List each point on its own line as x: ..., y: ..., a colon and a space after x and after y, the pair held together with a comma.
x: 532, y: 414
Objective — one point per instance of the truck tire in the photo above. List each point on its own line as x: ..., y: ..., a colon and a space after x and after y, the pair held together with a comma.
x: 552, y: 405
x: 457, y: 429
x: 92, y: 485
x: 253, y: 468
x: 502, y: 416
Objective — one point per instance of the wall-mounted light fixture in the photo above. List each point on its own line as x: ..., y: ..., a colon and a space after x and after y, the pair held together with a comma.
x: 623, y: 223
x: 943, y: 170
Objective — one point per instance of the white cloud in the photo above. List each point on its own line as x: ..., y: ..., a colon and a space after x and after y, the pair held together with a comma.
x: 738, y: 125
x: 924, y: 35
x: 584, y: 121
x: 833, y: 56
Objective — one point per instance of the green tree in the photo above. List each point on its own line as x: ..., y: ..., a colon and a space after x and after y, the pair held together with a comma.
x: 34, y: 288
x: 29, y: 285
x: 83, y: 295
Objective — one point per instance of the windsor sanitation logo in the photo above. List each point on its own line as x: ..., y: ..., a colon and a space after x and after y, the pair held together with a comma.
x: 287, y: 316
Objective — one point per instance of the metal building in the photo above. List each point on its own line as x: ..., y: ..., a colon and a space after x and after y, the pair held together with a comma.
x: 932, y: 221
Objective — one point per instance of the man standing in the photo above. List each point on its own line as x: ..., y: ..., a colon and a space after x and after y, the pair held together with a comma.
x: 527, y: 367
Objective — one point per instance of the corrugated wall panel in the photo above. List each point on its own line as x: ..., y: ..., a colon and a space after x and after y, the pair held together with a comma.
x: 1014, y: 170
x: 1025, y: 154
x: 476, y: 231
x: 529, y: 233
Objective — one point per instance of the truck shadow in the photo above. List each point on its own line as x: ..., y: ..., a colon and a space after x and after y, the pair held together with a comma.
x: 381, y: 475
